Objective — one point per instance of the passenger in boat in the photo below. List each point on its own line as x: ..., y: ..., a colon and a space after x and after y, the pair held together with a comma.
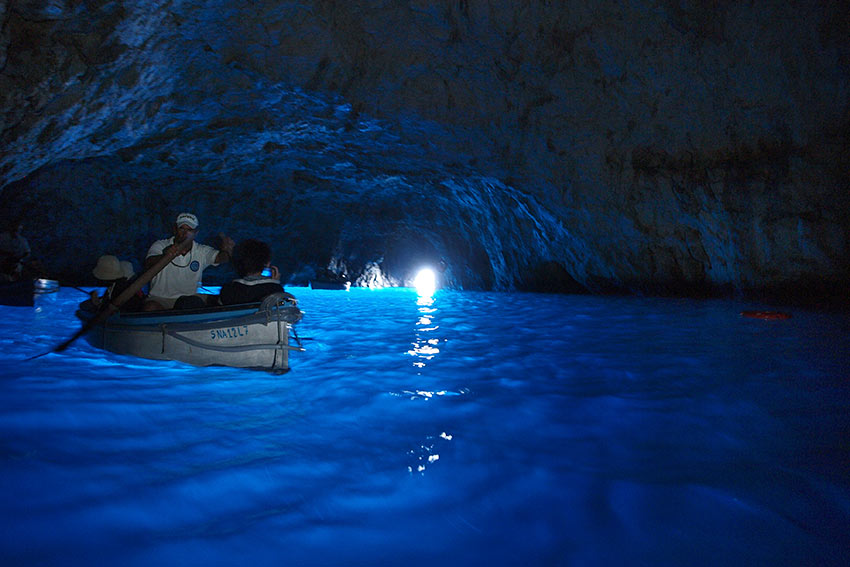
x: 117, y: 276
x: 15, y: 256
x: 182, y: 275
x: 9, y: 270
x: 251, y: 258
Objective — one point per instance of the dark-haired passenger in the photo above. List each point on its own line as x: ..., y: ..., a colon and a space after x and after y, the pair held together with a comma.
x: 250, y: 258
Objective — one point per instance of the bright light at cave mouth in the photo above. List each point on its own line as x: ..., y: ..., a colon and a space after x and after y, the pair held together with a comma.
x: 425, y: 282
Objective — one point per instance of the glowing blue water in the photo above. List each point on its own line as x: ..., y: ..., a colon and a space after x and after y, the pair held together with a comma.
x: 479, y: 429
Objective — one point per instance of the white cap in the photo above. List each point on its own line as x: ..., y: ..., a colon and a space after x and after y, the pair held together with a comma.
x: 188, y: 219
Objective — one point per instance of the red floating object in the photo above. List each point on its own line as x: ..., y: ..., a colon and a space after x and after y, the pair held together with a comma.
x: 766, y: 315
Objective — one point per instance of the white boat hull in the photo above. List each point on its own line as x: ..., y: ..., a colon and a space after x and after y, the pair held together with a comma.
x: 239, y: 336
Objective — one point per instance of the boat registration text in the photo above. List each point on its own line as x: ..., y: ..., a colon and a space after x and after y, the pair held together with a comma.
x: 229, y: 333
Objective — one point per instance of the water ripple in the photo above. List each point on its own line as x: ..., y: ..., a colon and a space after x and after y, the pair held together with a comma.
x: 522, y: 426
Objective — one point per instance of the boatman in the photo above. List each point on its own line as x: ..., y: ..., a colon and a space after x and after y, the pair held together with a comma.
x: 183, y: 273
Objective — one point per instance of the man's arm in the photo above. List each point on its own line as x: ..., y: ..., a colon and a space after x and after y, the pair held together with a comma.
x: 226, y: 252
x: 171, y: 250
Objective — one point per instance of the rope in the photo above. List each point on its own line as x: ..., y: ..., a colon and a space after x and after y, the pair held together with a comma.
x: 244, y: 348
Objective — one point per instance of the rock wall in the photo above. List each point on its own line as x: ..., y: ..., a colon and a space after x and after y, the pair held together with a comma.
x: 672, y: 147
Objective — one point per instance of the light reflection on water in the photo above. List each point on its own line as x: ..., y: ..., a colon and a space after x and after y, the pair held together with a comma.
x: 469, y: 428
x: 425, y: 345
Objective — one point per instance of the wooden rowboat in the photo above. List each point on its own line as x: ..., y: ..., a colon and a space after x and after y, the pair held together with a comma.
x: 254, y: 335
x: 326, y: 284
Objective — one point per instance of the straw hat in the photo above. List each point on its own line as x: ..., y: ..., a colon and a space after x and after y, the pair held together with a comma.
x: 108, y: 268
x: 127, y: 269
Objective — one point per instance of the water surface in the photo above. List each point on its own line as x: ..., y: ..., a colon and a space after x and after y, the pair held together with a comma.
x: 468, y: 429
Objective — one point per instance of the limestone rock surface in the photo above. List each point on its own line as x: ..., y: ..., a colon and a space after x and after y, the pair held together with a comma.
x: 651, y: 146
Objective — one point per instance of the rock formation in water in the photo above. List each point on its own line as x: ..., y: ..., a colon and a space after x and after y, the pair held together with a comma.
x: 652, y: 146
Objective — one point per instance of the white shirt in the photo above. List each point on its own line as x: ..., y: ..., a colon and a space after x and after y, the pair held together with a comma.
x: 181, y: 276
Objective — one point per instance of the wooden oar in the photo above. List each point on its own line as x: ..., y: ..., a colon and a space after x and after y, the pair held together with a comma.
x: 81, y: 290
x: 116, y: 303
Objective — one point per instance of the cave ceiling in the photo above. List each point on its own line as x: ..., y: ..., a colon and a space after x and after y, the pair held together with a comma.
x: 654, y: 146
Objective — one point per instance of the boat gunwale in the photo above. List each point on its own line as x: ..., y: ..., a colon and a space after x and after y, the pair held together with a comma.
x: 197, y: 319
